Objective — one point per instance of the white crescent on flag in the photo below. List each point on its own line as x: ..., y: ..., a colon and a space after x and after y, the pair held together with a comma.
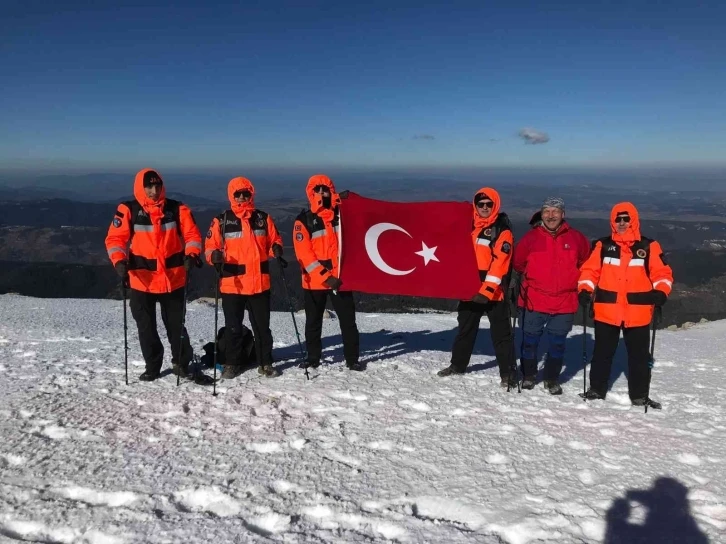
x: 371, y: 241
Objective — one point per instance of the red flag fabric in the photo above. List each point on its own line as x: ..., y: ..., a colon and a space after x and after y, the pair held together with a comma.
x: 408, y: 248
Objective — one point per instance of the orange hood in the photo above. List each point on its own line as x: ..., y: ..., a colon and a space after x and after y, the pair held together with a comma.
x: 243, y: 211
x: 316, y: 200
x: 139, y: 194
x: 633, y: 233
x: 481, y: 222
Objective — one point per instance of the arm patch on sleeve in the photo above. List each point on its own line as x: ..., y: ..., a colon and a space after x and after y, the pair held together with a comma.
x: 116, y: 222
x: 506, y: 247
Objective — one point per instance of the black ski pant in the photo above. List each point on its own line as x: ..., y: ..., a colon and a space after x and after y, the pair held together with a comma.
x: 143, y: 310
x: 344, y: 306
x: 234, y: 313
x: 470, y: 314
x: 637, y: 344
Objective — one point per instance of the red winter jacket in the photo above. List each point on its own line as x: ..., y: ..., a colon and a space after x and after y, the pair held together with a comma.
x: 550, y: 267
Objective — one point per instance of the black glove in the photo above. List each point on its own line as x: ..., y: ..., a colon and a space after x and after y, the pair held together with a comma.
x: 658, y: 297
x: 333, y: 282
x: 344, y: 194
x: 190, y: 261
x: 283, y: 262
x: 584, y: 298
x: 277, y: 250
x: 122, y: 269
x: 217, y: 257
x: 480, y: 299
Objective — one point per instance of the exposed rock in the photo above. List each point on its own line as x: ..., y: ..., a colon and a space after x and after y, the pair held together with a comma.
x: 672, y: 328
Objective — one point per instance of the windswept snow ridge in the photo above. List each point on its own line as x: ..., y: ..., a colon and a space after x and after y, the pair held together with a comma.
x: 392, y: 454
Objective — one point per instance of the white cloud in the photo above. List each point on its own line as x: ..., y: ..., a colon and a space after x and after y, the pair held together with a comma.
x: 533, y: 136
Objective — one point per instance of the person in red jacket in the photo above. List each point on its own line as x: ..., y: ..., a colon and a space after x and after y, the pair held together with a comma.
x: 165, y: 244
x: 630, y: 278
x: 548, y: 259
x: 492, y: 238
x: 315, y: 238
x: 239, y: 243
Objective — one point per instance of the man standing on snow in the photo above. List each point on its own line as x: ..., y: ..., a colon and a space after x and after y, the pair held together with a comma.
x: 165, y: 244
x: 315, y: 237
x: 630, y: 277
x: 492, y: 238
x: 548, y: 258
x: 239, y: 243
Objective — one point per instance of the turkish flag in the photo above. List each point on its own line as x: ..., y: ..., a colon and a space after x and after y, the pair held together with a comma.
x: 420, y: 249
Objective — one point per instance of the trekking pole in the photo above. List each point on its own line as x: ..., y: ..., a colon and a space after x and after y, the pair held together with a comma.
x: 292, y: 310
x: 181, y: 334
x: 584, y: 353
x: 657, y: 314
x: 515, y: 297
x: 126, y: 333
x: 216, y: 325
x: 513, y: 366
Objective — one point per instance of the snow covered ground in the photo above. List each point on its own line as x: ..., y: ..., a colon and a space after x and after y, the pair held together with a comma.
x: 391, y: 454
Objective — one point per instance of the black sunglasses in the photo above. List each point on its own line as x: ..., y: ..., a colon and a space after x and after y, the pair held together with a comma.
x: 244, y: 193
x: 321, y: 189
x: 485, y: 204
x: 623, y: 219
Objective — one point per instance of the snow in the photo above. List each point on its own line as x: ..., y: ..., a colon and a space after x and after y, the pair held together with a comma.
x: 392, y: 454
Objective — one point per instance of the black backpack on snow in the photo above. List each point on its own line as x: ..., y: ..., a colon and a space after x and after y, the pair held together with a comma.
x: 249, y: 357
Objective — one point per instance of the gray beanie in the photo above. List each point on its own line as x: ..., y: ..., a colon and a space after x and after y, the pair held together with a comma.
x: 553, y: 202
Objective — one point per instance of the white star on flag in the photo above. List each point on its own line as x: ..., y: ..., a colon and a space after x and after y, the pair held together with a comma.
x: 428, y: 253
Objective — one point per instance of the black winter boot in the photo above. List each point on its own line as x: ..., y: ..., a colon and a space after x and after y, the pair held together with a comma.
x: 230, y: 372
x: 268, y: 370
x: 354, y: 365
x: 149, y: 376
x: 553, y: 387
x: 650, y: 403
x: 591, y: 394
x: 528, y: 382
x: 448, y: 371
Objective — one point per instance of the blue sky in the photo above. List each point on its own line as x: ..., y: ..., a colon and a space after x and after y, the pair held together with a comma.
x: 89, y: 85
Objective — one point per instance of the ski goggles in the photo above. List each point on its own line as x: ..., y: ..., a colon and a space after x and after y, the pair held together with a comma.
x: 622, y: 219
x: 243, y: 193
x: 320, y: 189
x: 485, y: 204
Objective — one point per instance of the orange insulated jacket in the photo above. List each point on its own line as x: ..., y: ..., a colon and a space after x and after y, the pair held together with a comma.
x: 622, y: 270
x: 161, y: 233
